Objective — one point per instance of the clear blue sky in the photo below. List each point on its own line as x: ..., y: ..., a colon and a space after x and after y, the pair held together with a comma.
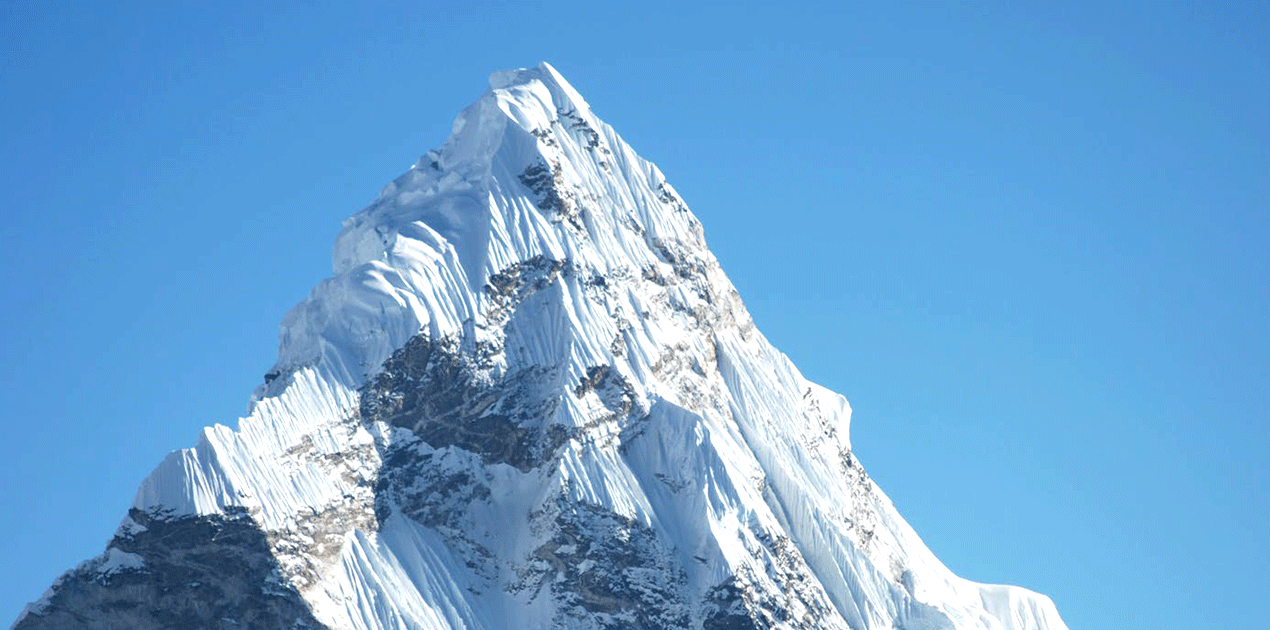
x: 1029, y: 243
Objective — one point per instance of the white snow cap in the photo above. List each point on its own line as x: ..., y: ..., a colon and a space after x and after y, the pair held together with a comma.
x: 543, y: 73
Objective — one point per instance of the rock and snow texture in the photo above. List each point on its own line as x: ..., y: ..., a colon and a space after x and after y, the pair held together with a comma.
x: 528, y: 397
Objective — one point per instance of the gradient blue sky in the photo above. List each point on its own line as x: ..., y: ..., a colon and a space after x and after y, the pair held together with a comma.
x: 1028, y: 242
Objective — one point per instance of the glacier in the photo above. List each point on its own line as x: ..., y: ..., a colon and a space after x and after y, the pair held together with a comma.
x: 527, y: 397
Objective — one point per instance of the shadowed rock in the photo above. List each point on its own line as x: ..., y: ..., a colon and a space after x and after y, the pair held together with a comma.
x: 190, y: 572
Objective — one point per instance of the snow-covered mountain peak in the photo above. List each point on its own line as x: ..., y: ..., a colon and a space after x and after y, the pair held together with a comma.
x: 528, y: 396
x: 519, y: 101
x: 528, y: 173
x: 546, y: 75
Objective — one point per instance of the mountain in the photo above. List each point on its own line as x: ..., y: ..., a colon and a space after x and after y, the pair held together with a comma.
x: 528, y: 397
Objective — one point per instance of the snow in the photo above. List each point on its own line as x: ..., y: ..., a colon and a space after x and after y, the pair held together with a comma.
x: 737, y: 450
x: 116, y: 561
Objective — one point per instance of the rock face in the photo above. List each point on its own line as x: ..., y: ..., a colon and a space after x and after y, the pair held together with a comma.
x: 528, y: 397
x: 169, y: 571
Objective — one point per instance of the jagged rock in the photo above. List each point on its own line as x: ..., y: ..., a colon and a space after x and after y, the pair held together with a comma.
x: 194, y: 572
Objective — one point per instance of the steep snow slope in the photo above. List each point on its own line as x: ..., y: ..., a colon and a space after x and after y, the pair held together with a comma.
x: 528, y: 397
